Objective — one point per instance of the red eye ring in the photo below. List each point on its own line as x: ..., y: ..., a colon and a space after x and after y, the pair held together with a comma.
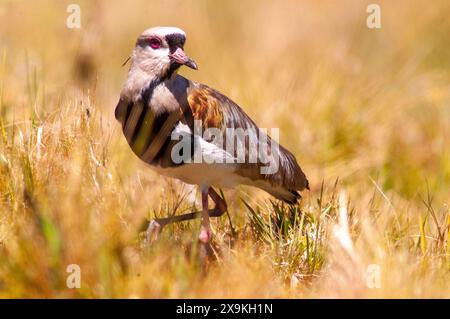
x: 155, y: 43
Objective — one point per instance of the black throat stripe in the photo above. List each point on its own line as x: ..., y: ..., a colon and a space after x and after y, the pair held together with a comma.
x: 147, y: 91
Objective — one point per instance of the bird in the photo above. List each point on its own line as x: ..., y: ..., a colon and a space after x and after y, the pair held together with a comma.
x: 158, y: 109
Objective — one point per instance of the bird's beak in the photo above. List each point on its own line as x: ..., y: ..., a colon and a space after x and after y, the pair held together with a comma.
x: 181, y: 58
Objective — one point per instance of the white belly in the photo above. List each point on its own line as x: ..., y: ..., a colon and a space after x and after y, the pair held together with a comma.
x: 218, y: 175
x: 213, y: 168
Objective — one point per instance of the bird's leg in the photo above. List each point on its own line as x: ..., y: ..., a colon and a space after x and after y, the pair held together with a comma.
x: 205, y: 231
x: 220, y: 205
x: 157, y: 224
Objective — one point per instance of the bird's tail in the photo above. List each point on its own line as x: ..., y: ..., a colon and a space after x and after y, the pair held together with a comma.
x: 286, y: 195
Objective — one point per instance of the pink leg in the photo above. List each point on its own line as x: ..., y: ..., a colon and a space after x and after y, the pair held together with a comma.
x: 205, y: 236
x: 205, y: 232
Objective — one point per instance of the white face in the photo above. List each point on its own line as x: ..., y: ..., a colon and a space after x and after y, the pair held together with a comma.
x: 154, y: 48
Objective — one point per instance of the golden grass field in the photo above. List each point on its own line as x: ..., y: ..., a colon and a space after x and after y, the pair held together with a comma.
x: 365, y: 111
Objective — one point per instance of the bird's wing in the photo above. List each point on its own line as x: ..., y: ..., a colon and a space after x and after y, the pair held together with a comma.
x: 215, y: 110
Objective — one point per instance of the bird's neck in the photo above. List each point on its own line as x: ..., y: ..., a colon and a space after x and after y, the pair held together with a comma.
x: 140, y: 77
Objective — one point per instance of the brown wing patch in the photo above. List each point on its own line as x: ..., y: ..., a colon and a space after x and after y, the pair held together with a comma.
x: 206, y: 108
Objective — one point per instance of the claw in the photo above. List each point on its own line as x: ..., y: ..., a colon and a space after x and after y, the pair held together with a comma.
x: 153, y: 230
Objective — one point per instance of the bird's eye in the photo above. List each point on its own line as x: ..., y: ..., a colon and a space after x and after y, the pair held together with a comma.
x: 155, y: 43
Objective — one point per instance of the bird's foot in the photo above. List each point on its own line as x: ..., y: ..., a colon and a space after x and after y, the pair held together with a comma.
x: 152, y: 233
x: 205, y: 235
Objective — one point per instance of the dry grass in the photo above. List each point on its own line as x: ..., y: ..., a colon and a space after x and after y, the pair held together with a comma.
x: 367, y: 113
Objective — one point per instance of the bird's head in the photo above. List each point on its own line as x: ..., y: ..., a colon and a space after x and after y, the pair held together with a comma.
x: 159, y: 52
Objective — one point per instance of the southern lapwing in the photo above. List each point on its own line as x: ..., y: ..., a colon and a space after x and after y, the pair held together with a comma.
x: 170, y: 121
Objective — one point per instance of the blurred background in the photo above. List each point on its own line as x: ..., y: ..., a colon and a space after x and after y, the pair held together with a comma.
x: 365, y: 111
